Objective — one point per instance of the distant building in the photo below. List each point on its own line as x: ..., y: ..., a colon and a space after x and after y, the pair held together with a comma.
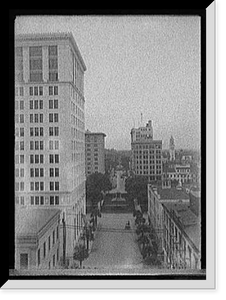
x: 146, y: 153
x: 172, y: 149
x: 37, y: 239
x: 185, y: 173
x: 186, y: 158
x: 142, y: 133
x: 176, y: 224
x: 95, y: 152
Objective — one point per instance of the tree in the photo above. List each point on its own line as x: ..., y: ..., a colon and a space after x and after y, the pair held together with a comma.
x: 97, y: 183
x: 80, y: 253
x: 136, y: 187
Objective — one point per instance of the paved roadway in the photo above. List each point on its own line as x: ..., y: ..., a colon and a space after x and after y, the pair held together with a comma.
x: 114, y: 247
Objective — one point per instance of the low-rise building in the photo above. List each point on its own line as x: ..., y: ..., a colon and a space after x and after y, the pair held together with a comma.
x: 37, y: 239
x: 179, y: 172
x: 181, y: 237
x: 157, y: 195
x: 174, y: 214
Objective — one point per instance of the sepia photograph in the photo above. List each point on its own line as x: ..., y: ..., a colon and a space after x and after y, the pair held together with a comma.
x: 109, y: 146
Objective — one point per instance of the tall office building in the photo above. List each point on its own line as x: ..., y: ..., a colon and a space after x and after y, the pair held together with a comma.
x: 95, y: 152
x: 50, y: 128
x: 146, y: 153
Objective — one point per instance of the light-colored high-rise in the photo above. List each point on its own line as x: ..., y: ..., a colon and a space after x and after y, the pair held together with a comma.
x: 50, y: 128
x: 146, y: 153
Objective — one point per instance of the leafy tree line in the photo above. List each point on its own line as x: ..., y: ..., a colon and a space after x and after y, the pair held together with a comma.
x: 96, y: 183
x: 147, y: 240
x: 136, y: 188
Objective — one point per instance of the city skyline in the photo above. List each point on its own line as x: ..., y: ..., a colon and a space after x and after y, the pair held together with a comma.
x: 147, y: 65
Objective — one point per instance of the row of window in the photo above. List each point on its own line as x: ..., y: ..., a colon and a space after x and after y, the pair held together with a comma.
x: 19, y: 200
x: 19, y: 105
x: 37, y: 104
x: 89, y: 145
x: 39, y: 172
x: 95, y: 158
x: 19, y: 172
x: 39, y: 200
x: 19, y: 159
x: 36, y: 145
x: 150, y: 146
x: 150, y: 173
x: 153, y: 162
x: 39, y: 186
x: 39, y: 131
x: 149, y: 166
x: 35, y: 63
x: 146, y: 152
x: 147, y: 157
x: 19, y: 118
x: 92, y: 139
x: 39, y: 158
x: 36, y: 91
x: 19, y: 91
x: 19, y: 186
x: 89, y: 163
x: 19, y: 145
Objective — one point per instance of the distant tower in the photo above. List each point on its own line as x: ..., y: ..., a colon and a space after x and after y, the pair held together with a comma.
x: 172, y: 149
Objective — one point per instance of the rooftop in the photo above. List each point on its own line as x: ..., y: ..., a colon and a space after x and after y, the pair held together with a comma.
x: 172, y: 193
x: 31, y: 221
x: 195, y: 193
x: 189, y: 221
x: 146, y: 141
x: 94, y: 133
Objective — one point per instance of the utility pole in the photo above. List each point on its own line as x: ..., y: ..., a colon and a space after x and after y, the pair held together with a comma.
x: 64, y: 240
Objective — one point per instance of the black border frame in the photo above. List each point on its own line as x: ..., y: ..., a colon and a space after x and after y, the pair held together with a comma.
x: 198, y: 10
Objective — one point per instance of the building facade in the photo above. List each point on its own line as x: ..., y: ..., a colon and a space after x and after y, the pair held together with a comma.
x: 179, y: 172
x: 146, y: 153
x: 37, y: 244
x: 94, y: 152
x: 176, y: 221
x: 50, y: 127
x: 182, y: 238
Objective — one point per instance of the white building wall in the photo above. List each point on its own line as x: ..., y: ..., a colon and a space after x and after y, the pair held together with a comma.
x: 72, y: 169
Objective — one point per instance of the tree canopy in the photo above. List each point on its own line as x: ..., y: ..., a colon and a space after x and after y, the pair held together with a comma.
x: 97, y: 183
x: 136, y: 188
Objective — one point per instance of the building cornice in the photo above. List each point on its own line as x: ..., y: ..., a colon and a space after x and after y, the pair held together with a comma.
x: 147, y: 142
x: 95, y: 133
x: 52, y: 36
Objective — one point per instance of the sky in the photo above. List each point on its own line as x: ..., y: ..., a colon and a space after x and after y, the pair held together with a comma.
x: 139, y: 68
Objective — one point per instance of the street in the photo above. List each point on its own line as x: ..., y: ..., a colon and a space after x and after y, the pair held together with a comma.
x: 114, y: 246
